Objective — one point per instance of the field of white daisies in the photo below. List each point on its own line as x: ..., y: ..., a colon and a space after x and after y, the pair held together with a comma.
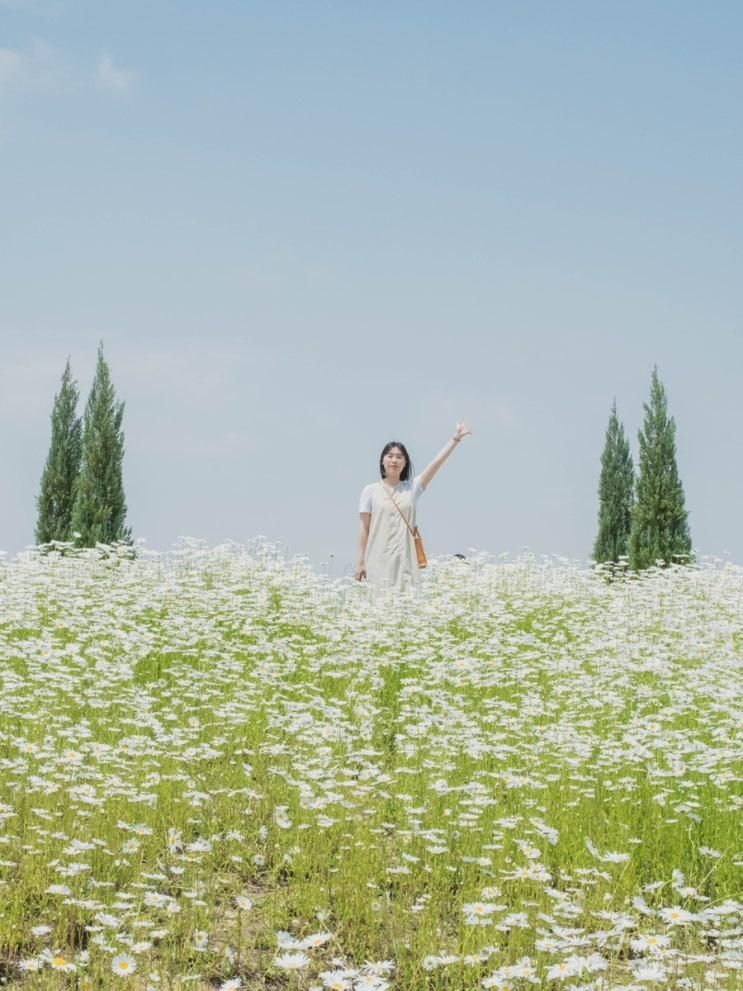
x: 219, y: 770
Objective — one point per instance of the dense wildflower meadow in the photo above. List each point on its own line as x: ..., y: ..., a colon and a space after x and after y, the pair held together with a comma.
x: 221, y: 770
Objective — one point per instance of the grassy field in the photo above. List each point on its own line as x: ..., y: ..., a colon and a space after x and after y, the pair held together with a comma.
x: 218, y: 770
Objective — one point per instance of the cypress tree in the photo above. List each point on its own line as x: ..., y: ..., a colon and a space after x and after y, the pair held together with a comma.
x: 100, y: 509
x: 616, y: 484
x: 59, y: 479
x: 660, y: 528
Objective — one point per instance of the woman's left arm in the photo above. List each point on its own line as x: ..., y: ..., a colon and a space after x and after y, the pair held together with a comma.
x: 461, y: 431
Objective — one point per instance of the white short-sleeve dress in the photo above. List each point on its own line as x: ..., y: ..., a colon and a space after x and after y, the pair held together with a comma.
x: 390, y: 550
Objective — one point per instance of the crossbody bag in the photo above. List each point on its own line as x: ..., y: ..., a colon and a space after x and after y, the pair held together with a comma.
x: 415, y: 534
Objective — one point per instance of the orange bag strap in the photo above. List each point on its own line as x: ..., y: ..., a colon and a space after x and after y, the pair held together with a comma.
x: 412, y: 532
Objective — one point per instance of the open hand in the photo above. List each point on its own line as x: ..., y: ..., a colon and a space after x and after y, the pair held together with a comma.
x: 462, y: 430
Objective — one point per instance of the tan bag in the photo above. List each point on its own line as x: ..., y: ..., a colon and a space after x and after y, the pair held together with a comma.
x: 419, y: 552
x: 415, y: 534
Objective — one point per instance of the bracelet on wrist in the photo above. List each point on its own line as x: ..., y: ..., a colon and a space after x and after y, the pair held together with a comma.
x: 456, y: 439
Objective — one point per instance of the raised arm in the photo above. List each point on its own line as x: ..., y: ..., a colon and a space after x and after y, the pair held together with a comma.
x: 461, y: 431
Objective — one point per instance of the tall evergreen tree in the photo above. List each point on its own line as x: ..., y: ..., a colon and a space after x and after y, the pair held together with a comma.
x: 616, y: 485
x: 660, y: 527
x: 59, y: 479
x: 100, y: 509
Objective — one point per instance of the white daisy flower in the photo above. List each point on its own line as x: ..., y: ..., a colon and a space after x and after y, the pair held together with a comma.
x: 153, y: 899
x: 292, y: 961
x: 58, y: 962
x: 30, y: 964
x: 561, y: 971
x: 650, y: 972
x: 288, y: 942
x: 200, y: 940
x: 369, y: 982
x: 479, y: 908
x: 676, y: 916
x: 379, y: 967
x: 335, y: 981
x: 650, y: 942
x: 123, y: 965
x: 316, y: 940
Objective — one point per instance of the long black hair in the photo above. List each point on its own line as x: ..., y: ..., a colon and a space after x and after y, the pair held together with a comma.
x: 407, y: 471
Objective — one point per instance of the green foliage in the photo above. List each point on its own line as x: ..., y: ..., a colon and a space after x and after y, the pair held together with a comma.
x: 616, y: 486
x: 660, y: 528
x: 99, y: 515
x: 60, y: 476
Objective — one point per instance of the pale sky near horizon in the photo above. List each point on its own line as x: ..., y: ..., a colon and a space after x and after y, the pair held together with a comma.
x: 304, y: 229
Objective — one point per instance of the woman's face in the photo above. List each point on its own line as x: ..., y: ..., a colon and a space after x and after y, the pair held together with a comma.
x: 394, y: 461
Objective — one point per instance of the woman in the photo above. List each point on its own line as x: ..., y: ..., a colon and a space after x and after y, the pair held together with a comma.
x: 387, y: 510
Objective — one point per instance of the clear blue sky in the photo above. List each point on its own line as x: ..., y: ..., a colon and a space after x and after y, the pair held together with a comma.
x: 304, y: 229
